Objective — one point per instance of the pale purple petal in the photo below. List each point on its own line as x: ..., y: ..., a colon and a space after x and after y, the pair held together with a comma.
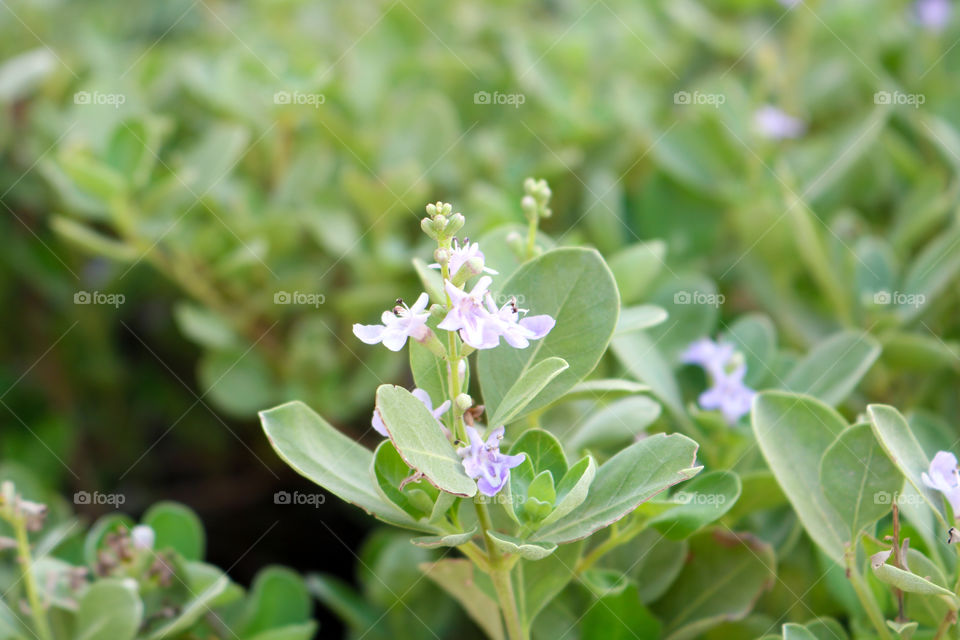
x: 538, y: 326
x: 369, y: 333
x: 377, y: 423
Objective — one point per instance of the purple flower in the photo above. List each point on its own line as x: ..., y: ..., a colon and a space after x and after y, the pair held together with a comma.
x: 773, y: 123
x: 727, y: 392
x: 398, y: 325
x: 729, y: 395
x: 712, y: 356
x: 377, y: 422
x: 933, y: 14
x: 484, y: 463
x: 466, y: 254
x: 943, y: 477
x: 477, y: 327
x: 515, y: 330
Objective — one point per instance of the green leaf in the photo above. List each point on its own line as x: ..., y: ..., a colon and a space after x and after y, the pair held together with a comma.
x: 515, y: 546
x: 693, y: 304
x: 204, y: 326
x: 854, y: 475
x: 901, y: 446
x: 703, y: 500
x: 304, y: 631
x: 93, y: 241
x: 429, y: 372
x: 794, y: 432
x: 640, y: 318
x: 653, y: 562
x: 933, y: 271
x: 722, y: 580
x: 903, y: 629
x: 526, y: 388
x: 278, y: 597
x: 639, y: 354
x: 317, y: 451
x: 355, y: 611
x: 457, y: 577
x: 794, y: 631
x: 431, y: 281
x: 833, y: 368
x: 420, y: 442
x: 604, y: 388
x: 636, y: 267
x: 543, y: 450
x: 207, y: 583
x: 389, y: 471
x: 614, y: 425
x: 755, y: 337
x: 629, y: 478
x: 177, y: 527
x: 448, y: 540
x: 573, y: 489
x: 576, y: 288
x: 542, y: 580
x: 912, y: 583
x: 109, y: 608
x: 619, y: 617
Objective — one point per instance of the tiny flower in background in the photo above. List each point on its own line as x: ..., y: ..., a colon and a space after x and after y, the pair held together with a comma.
x: 943, y: 477
x: 774, y: 123
x: 143, y: 537
x: 712, y: 356
x: 477, y: 327
x: 484, y: 463
x: 398, y: 325
x: 933, y: 15
x: 377, y: 422
x: 519, y: 331
x: 723, y: 364
x: 729, y: 395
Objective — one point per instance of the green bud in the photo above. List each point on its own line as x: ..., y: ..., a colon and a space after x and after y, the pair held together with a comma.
x: 442, y: 256
x: 464, y: 402
x: 529, y: 206
x: 431, y: 210
x: 456, y: 223
x: 427, y: 225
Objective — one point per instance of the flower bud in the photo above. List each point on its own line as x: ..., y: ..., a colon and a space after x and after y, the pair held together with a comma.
x: 529, y: 185
x: 529, y: 206
x: 463, y: 402
x: 442, y: 256
x: 431, y: 210
x: 456, y: 223
x: 427, y: 225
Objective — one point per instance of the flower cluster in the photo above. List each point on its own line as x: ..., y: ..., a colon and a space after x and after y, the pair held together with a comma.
x: 472, y: 315
x: 726, y: 370
x: 484, y: 463
x: 944, y: 477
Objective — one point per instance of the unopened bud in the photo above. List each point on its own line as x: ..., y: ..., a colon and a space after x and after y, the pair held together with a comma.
x: 442, y: 256
x: 464, y: 402
x: 431, y: 210
x: 427, y: 225
x: 529, y: 206
x: 456, y: 223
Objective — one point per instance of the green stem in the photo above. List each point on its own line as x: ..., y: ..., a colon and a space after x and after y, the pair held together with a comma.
x: 616, y: 539
x: 865, y: 598
x: 532, y: 236
x: 500, y: 574
x: 40, y: 623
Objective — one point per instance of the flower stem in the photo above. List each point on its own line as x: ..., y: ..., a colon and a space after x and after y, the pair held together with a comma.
x: 866, y: 599
x: 532, y: 236
x: 616, y: 539
x: 42, y: 627
x: 502, y: 583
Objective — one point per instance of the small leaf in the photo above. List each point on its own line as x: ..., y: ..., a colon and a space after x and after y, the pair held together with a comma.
x: 317, y: 451
x: 526, y: 388
x: 420, y: 442
x: 636, y: 267
x: 619, y: 617
x: 543, y: 450
x: 616, y: 424
x: 629, y: 478
x: 576, y: 288
x: 459, y: 579
x: 608, y: 387
x: 834, y: 367
x: 176, y: 527
x: 516, y: 546
x: 854, y: 475
x: 912, y: 583
x: 703, y: 500
x: 573, y: 489
x: 640, y: 318
x: 277, y: 597
x: 448, y: 540
x: 207, y: 583
x: 110, y: 608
